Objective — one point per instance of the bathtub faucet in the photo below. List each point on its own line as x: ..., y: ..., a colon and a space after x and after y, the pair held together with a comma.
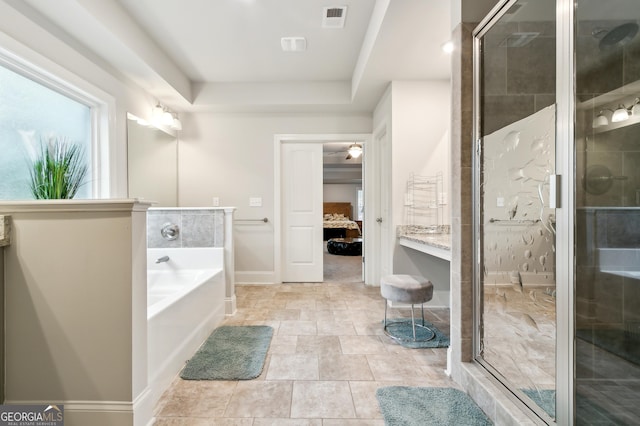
x: 162, y: 259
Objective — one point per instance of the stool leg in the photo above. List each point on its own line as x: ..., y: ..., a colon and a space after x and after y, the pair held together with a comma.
x: 422, y: 307
x: 385, y: 314
x: 413, y: 323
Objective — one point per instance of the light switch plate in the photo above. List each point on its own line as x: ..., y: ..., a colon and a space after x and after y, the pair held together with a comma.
x: 216, y: 201
x: 500, y: 202
x: 255, y: 202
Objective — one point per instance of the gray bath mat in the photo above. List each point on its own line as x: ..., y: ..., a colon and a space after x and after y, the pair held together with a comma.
x: 230, y: 353
x: 415, y: 406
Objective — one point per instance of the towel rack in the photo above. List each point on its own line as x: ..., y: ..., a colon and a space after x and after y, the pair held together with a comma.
x: 514, y: 221
x: 264, y: 219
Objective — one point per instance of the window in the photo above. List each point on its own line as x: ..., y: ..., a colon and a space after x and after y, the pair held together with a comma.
x: 29, y: 113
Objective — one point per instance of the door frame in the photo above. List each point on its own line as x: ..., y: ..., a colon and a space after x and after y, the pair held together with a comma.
x: 278, y: 140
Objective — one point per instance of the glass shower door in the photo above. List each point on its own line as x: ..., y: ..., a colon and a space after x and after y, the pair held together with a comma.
x: 515, y: 164
x: 607, y: 236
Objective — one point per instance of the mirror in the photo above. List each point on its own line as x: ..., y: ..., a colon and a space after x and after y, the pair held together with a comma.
x: 152, y: 164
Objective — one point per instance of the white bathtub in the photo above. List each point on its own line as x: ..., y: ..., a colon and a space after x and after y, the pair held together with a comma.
x: 185, y: 303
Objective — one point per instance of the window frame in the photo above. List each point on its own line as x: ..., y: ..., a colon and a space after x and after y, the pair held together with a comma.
x: 101, y: 105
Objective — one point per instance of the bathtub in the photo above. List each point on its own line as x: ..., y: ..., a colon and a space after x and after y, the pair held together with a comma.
x: 185, y: 303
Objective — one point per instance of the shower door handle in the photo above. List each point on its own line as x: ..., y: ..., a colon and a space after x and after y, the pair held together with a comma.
x: 554, y: 191
x: 379, y: 220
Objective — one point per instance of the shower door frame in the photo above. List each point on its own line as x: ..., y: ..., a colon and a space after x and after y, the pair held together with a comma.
x: 565, y: 208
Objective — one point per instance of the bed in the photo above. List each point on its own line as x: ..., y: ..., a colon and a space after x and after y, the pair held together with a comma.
x: 338, y: 221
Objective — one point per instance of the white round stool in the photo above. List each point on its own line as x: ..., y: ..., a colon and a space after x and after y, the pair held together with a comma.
x: 410, y: 289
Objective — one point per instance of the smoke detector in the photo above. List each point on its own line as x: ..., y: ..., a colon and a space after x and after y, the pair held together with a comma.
x: 293, y: 44
x: 334, y: 16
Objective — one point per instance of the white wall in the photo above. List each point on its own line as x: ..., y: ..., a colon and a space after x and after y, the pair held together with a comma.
x: 231, y: 156
x: 420, y: 142
x: 342, y: 192
x: 417, y: 114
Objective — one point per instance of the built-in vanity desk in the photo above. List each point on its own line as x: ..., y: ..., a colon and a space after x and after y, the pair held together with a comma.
x: 435, y: 241
x: 426, y: 251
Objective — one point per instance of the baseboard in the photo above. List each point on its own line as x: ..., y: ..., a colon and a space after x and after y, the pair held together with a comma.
x: 95, y: 413
x: 230, y: 305
x: 255, y: 277
x: 143, y: 408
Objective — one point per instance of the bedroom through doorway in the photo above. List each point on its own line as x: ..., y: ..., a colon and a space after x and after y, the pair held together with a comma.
x: 343, y: 212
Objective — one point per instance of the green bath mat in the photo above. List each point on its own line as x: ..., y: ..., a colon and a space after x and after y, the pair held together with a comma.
x: 414, y: 406
x: 401, y: 328
x: 544, y: 398
x: 230, y: 353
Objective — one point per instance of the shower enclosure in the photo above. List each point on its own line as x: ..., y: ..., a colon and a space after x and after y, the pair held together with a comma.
x: 557, y: 206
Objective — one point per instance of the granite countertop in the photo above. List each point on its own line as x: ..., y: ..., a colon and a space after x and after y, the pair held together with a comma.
x: 435, y: 236
x: 5, y: 233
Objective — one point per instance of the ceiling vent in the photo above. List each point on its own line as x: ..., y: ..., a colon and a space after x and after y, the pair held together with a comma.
x: 333, y: 17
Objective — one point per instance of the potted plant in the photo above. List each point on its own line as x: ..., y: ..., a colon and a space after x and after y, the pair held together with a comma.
x: 58, y: 169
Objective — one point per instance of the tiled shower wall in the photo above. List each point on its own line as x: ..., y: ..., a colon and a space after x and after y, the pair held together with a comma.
x: 604, y: 299
x: 197, y: 227
x: 608, y: 214
x: 518, y: 80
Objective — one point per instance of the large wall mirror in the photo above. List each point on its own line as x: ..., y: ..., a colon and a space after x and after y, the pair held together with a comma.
x: 152, y: 164
x: 515, y: 127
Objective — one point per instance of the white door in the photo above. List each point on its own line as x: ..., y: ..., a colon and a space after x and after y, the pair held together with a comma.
x: 302, y: 212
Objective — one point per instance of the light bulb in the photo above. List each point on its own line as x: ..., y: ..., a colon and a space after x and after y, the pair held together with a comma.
x: 355, y: 150
x: 600, y: 120
x: 167, y: 118
x: 621, y: 114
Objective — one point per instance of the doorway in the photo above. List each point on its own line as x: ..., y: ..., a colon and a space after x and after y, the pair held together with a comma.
x: 282, y: 170
x: 343, y: 211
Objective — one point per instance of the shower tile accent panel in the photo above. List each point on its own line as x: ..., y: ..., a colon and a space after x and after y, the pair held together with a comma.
x: 156, y: 219
x: 198, y: 228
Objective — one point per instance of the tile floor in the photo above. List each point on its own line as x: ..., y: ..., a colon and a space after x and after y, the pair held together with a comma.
x: 326, y: 360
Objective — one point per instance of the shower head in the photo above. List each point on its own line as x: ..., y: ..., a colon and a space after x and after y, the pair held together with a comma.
x: 619, y: 36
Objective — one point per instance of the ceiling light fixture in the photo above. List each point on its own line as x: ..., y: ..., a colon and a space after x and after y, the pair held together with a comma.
x: 355, y: 151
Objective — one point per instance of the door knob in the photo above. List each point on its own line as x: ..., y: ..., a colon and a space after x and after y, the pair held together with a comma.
x: 379, y: 220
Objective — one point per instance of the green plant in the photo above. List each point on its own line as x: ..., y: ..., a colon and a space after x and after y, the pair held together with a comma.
x: 58, y: 170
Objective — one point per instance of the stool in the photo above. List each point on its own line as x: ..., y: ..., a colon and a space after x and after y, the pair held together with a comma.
x: 411, y: 289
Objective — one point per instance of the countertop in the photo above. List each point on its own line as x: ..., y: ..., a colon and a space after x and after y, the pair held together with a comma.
x: 5, y: 231
x: 435, y: 241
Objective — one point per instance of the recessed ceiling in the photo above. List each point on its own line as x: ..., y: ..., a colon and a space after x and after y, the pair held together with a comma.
x: 225, y: 55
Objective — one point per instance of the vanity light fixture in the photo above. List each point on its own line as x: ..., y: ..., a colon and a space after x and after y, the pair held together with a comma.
x: 176, y: 124
x: 355, y: 150
x: 167, y: 118
x: 635, y: 108
x: 620, y: 114
x: 600, y: 120
x: 156, y: 113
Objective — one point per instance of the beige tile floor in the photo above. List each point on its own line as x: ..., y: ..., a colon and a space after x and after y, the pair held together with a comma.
x: 326, y: 360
